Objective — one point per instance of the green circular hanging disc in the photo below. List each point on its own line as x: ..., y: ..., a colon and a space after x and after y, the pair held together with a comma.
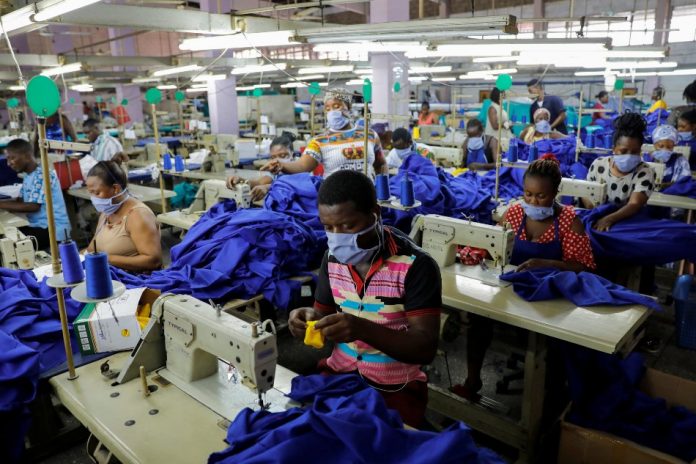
x: 12, y: 103
x: 503, y: 82
x: 99, y: 99
x: 619, y: 84
x: 43, y: 96
x: 179, y: 96
x: 367, y: 90
x: 113, y: 100
x: 314, y: 88
x: 72, y: 101
x: 257, y: 92
x: 124, y: 102
x: 397, y: 87
x: 153, y: 96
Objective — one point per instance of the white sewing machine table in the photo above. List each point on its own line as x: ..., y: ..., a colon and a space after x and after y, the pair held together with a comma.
x: 672, y: 201
x: 8, y: 219
x: 609, y: 329
x: 167, y: 426
x: 200, y: 175
x: 141, y: 192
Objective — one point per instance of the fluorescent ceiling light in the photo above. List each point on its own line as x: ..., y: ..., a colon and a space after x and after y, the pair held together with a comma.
x: 296, y: 85
x: 355, y: 82
x: 258, y: 68
x: 60, y: 8
x: 198, y: 90
x: 17, y: 19
x: 594, y: 73
x: 475, y: 77
x: 17, y: 88
x: 143, y: 80
x: 326, y: 69
x: 313, y: 76
x: 678, y: 72
x: 430, y: 70
x: 364, y: 46
x: 640, y: 64
x: 506, y: 47
x: 638, y: 74
x: 210, y: 77
x: 635, y: 54
x: 177, y: 70
x: 82, y: 88
x: 203, y: 85
x: 492, y: 72
x: 68, y: 68
x: 495, y: 59
x: 252, y: 87
x: 363, y: 71
x: 443, y: 79
x: 167, y: 87
x: 237, y: 41
x: 417, y: 78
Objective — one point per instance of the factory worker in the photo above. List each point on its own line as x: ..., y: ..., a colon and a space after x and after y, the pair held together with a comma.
x: 547, y: 235
x: 56, y: 131
x: 686, y: 125
x: 551, y: 103
x: 404, y: 146
x: 658, y: 95
x: 664, y: 138
x: 601, y: 104
x: 127, y: 229
x: 494, y: 115
x: 630, y: 181
x: 281, y: 151
x: 689, y: 96
x: 378, y: 298
x: 541, y: 129
x: 426, y: 117
x: 32, y: 198
x: 104, y: 146
x: 340, y: 147
x: 480, y: 150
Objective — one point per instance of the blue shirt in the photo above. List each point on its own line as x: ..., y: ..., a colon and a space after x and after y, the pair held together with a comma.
x: 33, y: 192
x: 555, y: 106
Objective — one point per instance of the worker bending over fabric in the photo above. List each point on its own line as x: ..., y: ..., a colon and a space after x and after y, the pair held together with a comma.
x: 104, y: 146
x: 630, y: 181
x: 547, y: 235
x: 280, y: 150
x: 480, y: 150
x: 378, y: 298
x: 404, y: 146
x: 664, y: 138
x: 540, y: 129
x: 127, y: 229
x: 340, y: 148
x: 686, y: 125
x: 32, y: 197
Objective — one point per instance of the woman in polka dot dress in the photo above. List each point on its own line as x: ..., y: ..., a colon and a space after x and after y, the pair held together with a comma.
x: 630, y: 181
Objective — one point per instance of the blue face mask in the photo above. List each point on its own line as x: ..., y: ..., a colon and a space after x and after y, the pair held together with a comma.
x: 475, y: 143
x: 662, y: 155
x: 336, y: 120
x: 543, y: 126
x: 685, y: 136
x: 538, y: 213
x: 626, y: 163
x: 104, y: 205
x: 403, y: 152
x: 345, y: 246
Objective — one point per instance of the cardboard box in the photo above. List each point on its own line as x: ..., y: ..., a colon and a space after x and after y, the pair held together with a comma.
x: 586, y: 446
x: 113, y: 325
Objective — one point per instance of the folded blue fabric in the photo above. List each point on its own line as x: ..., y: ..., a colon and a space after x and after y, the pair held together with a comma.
x: 633, y: 240
x: 685, y: 187
x: 582, y: 288
x: 346, y: 422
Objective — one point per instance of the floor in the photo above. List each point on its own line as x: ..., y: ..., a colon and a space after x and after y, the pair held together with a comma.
x: 449, y: 366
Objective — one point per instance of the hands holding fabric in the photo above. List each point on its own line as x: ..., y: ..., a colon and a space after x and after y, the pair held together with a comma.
x: 603, y: 225
x: 339, y: 327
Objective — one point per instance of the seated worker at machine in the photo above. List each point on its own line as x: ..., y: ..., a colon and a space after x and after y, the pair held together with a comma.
x: 658, y: 95
x: 104, y: 146
x: 340, y: 148
x: 630, y: 181
x: 378, y: 298
x: 127, y: 229
x: 404, y: 146
x: 686, y: 125
x: 547, y: 235
x: 280, y: 150
x: 425, y: 116
x: 664, y: 138
x: 541, y: 129
x: 479, y: 149
x: 32, y: 199
x: 56, y: 129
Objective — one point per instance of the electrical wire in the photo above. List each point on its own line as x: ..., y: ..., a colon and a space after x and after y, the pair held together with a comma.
x: 14, y: 58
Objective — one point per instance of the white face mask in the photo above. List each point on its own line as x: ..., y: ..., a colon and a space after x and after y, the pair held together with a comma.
x: 345, y: 246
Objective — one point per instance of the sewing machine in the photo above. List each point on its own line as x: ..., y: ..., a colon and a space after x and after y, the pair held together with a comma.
x: 659, y: 169
x: 577, y: 188
x: 214, y: 161
x: 440, y: 236
x: 225, y: 144
x: 151, y: 152
x: 16, y: 249
x: 448, y: 156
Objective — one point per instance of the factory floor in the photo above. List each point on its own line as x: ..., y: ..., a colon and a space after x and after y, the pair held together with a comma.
x: 302, y: 359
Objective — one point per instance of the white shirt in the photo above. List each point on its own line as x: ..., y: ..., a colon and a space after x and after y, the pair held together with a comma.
x: 105, y: 147
x: 394, y: 161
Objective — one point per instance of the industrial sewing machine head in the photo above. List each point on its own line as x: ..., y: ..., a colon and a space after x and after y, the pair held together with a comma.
x: 593, y: 191
x: 212, y: 191
x: 213, y: 161
x: 440, y: 236
x: 16, y: 249
x: 186, y: 339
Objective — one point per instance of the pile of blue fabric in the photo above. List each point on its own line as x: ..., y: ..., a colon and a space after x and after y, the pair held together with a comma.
x: 345, y: 421
x: 653, y: 120
x: 685, y: 187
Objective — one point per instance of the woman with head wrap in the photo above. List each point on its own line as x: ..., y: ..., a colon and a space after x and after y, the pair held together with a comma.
x: 541, y: 129
x: 664, y: 138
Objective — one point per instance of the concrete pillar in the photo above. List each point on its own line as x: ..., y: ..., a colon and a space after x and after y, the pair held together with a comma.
x: 663, y: 16
x: 388, y: 68
x: 539, y: 13
x: 445, y: 7
x: 222, y: 104
x: 135, y: 100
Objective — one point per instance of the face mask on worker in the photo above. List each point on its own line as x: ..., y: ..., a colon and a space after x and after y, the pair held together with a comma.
x: 543, y: 126
x: 345, y: 246
x: 403, y: 152
x: 475, y: 143
x: 538, y: 213
x: 336, y: 119
x: 105, y: 205
x: 626, y: 163
x: 662, y: 155
x: 685, y: 136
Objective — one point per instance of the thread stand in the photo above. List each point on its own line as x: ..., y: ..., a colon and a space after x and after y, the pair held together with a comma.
x: 79, y: 293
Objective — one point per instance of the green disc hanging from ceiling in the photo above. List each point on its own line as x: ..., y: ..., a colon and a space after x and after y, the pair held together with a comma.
x: 397, y: 87
x: 113, y: 100
x: 99, y: 99
x: 124, y: 102
x: 43, y: 96
x: 153, y: 96
x: 314, y: 88
x: 257, y: 92
x: 503, y: 82
x: 179, y: 96
x: 619, y: 84
x: 367, y: 90
x: 12, y: 103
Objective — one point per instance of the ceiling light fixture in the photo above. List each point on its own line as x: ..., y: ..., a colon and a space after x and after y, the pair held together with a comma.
x: 167, y: 87
x: 210, y: 77
x: 61, y: 8
x: 252, y: 87
x: 429, y: 70
x: 237, y: 41
x: 326, y: 69
x: 177, y: 70
x: 258, y: 68
x: 68, y: 68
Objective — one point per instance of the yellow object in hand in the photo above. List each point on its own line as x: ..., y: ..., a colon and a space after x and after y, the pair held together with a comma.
x: 313, y: 337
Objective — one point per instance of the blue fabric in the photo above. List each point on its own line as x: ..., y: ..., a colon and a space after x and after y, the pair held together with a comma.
x: 685, y: 187
x: 654, y: 119
x: 633, y: 240
x: 346, y: 421
x: 583, y: 288
x: 524, y: 250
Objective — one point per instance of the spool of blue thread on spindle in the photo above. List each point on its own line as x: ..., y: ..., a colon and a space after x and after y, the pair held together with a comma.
x: 167, y: 162
x: 524, y: 119
x: 99, y: 284
x: 608, y: 140
x: 382, y: 184
x: 70, y: 257
x: 407, y: 192
x: 512, y: 151
x: 533, y: 153
x: 589, y: 140
x: 178, y: 163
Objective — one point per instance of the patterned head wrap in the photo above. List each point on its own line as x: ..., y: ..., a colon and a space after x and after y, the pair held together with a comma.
x: 665, y: 132
x: 339, y: 94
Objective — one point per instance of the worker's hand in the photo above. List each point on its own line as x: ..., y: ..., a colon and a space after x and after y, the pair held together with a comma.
x: 340, y: 327
x: 475, y: 167
x: 232, y: 181
x: 506, y: 125
x: 603, y: 225
x: 259, y: 192
x: 274, y: 166
x: 535, y: 263
x: 298, y: 318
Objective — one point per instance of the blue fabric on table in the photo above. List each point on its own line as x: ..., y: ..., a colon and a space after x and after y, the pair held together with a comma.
x: 346, y: 422
x: 633, y: 240
x: 296, y: 196
x: 172, y: 142
x: 653, y: 120
x: 582, y: 288
x: 511, y: 183
x: 563, y: 149
x: 684, y: 187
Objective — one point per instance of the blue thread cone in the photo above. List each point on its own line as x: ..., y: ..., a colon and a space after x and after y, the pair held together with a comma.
x: 533, y: 153
x: 512, y: 151
x: 99, y: 284
x: 382, y: 184
x: 589, y: 140
x: 178, y: 163
x: 72, y: 267
x: 608, y: 140
x: 167, y: 162
x: 407, y: 192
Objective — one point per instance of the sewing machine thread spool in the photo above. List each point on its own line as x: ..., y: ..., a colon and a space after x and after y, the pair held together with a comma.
x: 533, y: 153
x: 524, y: 119
x: 382, y: 183
x: 99, y: 284
x: 512, y: 152
x: 608, y: 140
x: 70, y: 257
x: 167, y: 162
x: 178, y: 163
x: 589, y: 140
x: 407, y: 197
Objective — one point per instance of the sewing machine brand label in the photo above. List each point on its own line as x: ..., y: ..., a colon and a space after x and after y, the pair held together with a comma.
x: 182, y: 330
